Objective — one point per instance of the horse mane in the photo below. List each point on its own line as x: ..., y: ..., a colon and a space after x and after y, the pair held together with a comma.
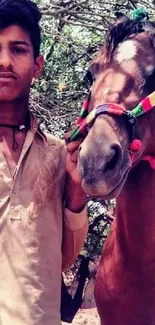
x: 123, y: 29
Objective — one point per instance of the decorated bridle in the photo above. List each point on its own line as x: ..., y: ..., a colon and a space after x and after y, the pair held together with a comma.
x: 86, y: 119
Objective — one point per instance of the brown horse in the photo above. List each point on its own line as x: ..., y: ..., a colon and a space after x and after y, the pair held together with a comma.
x: 124, y: 74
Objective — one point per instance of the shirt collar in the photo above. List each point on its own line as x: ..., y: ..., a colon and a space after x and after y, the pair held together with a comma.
x: 35, y: 127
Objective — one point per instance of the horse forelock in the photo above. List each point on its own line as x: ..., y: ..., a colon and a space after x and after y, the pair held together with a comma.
x: 122, y: 31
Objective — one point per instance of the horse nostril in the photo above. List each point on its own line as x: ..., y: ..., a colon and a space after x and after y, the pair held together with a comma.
x: 114, y: 158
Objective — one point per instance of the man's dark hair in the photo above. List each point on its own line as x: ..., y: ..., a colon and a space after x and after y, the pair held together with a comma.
x: 24, y: 13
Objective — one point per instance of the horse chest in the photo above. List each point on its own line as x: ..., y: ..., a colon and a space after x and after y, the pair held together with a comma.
x: 124, y: 296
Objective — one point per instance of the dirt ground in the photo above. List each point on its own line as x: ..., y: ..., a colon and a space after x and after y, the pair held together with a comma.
x: 86, y: 317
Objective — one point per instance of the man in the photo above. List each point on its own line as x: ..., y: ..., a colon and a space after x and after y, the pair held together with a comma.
x: 41, y: 205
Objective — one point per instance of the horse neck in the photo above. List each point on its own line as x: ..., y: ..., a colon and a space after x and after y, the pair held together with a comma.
x: 135, y: 213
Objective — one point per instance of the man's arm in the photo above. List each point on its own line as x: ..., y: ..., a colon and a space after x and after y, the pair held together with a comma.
x: 75, y: 225
x: 75, y: 229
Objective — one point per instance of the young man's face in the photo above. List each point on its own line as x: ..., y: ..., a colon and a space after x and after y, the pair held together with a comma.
x: 17, y: 64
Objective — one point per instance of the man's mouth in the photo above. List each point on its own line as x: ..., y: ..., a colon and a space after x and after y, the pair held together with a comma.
x: 7, y: 75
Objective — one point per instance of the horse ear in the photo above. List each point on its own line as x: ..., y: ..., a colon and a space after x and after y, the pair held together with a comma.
x: 94, y: 68
x: 120, y: 17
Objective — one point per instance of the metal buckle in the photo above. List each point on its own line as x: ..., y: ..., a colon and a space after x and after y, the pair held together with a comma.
x: 131, y: 121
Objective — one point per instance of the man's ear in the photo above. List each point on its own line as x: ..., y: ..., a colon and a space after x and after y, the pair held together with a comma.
x: 39, y: 63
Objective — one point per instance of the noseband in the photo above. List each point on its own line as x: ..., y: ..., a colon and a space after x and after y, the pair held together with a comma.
x: 84, y: 120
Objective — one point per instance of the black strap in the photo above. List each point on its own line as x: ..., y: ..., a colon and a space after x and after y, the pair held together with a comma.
x: 14, y: 129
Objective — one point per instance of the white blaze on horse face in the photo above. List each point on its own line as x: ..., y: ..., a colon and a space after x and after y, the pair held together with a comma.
x: 126, y: 51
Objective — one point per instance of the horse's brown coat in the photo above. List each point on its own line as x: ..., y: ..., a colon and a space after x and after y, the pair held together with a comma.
x: 125, y: 287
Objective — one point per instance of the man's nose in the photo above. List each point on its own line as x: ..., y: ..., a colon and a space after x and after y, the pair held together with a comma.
x: 5, y: 59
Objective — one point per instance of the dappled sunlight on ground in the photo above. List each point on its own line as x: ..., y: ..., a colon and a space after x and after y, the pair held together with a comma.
x: 86, y: 317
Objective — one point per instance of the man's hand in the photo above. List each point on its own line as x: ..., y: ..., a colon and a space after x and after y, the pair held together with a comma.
x: 75, y: 197
x: 71, y: 161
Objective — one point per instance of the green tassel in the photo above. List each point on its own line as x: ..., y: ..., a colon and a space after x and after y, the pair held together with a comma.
x: 140, y: 14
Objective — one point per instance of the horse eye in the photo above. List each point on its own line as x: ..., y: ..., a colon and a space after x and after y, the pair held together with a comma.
x: 94, y: 68
x: 88, y: 127
x: 89, y: 77
x: 93, y: 71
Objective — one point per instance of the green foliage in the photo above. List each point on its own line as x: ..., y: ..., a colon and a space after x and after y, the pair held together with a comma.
x: 67, y: 58
x: 101, y: 215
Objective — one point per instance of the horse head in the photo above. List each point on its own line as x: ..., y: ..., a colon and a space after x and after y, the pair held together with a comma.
x: 124, y: 75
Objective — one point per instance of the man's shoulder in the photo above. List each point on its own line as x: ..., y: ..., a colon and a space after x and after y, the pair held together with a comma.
x: 51, y: 149
x: 55, y: 145
x: 53, y: 140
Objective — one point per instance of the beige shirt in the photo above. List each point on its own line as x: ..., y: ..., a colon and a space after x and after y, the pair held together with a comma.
x: 33, y: 226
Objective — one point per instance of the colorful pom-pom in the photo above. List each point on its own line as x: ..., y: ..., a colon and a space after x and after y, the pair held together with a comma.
x: 135, y: 145
x: 140, y: 14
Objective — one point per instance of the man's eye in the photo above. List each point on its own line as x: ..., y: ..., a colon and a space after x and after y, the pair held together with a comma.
x: 19, y: 50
